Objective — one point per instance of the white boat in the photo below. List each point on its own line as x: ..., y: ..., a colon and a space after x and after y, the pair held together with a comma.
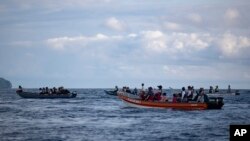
x: 223, y: 94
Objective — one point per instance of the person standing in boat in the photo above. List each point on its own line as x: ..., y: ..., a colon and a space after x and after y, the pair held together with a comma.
x: 210, y: 89
x: 229, y: 89
x: 190, y: 93
x: 183, y: 95
x: 116, y: 89
x: 216, y: 89
x: 142, y: 86
x: 20, y: 89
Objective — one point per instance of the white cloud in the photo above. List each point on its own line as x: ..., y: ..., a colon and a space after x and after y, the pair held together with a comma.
x: 175, y: 42
x: 115, y: 24
x: 132, y: 35
x: 154, y: 40
x: 194, y: 17
x: 157, y: 42
x: 232, y: 46
x: 172, y: 26
x: 62, y: 42
x: 231, y: 14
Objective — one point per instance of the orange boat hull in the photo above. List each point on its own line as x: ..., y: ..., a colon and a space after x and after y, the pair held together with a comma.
x: 151, y: 104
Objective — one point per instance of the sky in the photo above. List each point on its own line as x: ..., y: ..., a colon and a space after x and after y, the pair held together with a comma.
x: 103, y: 43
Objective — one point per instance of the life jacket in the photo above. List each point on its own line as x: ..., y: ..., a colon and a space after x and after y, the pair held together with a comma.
x: 157, y: 96
x: 174, y: 100
x: 142, y: 95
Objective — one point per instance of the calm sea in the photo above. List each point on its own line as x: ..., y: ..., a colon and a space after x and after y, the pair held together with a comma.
x: 95, y: 116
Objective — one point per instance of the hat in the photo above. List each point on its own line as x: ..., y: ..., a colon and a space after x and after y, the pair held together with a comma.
x: 160, y: 87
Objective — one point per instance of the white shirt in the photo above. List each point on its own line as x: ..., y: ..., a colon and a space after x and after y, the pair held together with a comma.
x: 183, y: 94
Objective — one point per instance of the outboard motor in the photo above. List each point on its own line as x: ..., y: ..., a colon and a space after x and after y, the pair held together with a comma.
x: 215, y: 103
x: 74, y: 94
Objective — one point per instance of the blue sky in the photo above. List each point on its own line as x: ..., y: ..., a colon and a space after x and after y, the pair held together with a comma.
x: 103, y: 43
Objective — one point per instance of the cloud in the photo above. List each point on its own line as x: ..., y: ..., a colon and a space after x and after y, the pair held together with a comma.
x: 61, y: 42
x: 175, y: 42
x: 233, y: 46
x: 172, y: 26
x: 154, y: 40
x: 115, y: 24
x: 232, y: 14
x: 132, y: 35
x: 194, y: 17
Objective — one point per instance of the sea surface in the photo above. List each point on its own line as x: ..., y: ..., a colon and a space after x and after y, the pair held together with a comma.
x: 96, y: 116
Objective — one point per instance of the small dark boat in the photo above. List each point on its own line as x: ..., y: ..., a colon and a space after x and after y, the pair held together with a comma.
x: 43, y: 95
x: 111, y: 92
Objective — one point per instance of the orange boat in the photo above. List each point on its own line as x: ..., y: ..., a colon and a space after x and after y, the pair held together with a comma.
x: 214, y: 103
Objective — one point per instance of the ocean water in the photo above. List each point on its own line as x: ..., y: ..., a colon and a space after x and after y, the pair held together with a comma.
x: 95, y: 116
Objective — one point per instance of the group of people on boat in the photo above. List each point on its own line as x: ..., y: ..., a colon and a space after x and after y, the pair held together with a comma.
x: 186, y: 95
x: 54, y: 90
x: 153, y: 94
x: 216, y: 90
x: 212, y: 90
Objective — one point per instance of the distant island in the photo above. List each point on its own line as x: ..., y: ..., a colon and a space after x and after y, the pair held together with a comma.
x: 5, y: 84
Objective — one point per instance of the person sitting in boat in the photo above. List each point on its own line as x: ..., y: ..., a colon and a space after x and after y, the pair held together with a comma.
x: 46, y: 90
x: 158, y: 93
x: 135, y: 91
x: 201, y: 97
x: 128, y: 90
x: 20, y: 89
x: 174, y: 100
x: 178, y: 98
x: 150, y: 94
x: 54, y: 90
x: 42, y: 90
x: 142, y: 95
x: 64, y: 91
x: 164, y: 98
x: 216, y: 89
x: 210, y: 89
